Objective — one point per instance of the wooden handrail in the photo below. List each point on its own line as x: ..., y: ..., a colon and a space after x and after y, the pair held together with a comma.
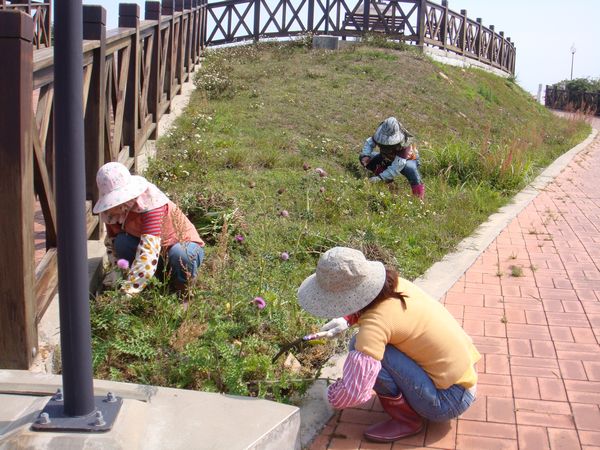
x: 130, y: 76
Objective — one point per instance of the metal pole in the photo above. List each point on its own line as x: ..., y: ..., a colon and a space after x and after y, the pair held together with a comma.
x: 573, y: 50
x: 75, y: 329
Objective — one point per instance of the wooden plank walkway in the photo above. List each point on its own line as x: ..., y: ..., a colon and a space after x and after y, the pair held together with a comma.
x: 539, y: 333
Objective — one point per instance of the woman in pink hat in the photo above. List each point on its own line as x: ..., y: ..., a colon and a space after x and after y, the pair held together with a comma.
x: 143, y: 227
x: 408, y: 349
x: 397, y: 155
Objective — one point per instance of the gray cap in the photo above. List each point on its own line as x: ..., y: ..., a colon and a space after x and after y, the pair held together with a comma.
x: 390, y: 132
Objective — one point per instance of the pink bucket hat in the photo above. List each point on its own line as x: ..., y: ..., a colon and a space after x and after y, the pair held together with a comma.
x: 117, y: 186
x: 344, y: 283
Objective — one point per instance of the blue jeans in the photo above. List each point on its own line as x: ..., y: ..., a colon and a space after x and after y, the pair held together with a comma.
x: 401, y: 375
x: 410, y: 171
x: 183, y: 259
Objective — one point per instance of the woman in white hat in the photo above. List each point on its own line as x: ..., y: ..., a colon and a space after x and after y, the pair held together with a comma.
x: 141, y: 223
x: 397, y: 155
x: 408, y: 349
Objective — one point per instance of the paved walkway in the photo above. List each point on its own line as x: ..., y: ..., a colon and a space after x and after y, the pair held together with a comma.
x: 531, y: 302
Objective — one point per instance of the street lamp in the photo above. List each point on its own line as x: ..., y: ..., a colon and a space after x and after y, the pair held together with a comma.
x: 573, y: 50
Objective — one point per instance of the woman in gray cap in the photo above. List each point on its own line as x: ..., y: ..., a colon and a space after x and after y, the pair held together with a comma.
x: 409, y: 349
x: 397, y: 155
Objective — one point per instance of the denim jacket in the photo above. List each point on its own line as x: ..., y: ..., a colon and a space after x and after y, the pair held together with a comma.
x: 393, y: 170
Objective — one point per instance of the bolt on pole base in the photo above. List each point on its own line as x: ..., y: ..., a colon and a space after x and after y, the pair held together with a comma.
x: 53, y: 417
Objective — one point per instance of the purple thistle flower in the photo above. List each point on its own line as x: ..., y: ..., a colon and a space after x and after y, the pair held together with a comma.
x: 284, y: 256
x: 239, y: 238
x: 284, y: 213
x: 123, y: 264
x: 259, y: 302
x: 321, y: 172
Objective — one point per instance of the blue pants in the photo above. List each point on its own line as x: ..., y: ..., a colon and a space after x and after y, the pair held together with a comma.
x: 401, y: 375
x: 183, y: 259
x: 411, y: 170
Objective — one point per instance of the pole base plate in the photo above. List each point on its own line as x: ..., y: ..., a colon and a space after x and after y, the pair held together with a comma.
x: 57, y: 420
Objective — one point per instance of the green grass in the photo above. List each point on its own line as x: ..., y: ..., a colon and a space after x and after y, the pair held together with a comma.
x: 262, y: 119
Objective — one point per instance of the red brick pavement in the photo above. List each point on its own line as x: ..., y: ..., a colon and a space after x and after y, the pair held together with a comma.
x: 539, y: 333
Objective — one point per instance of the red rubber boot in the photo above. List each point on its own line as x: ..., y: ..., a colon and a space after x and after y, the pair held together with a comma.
x: 418, y: 190
x: 404, y: 421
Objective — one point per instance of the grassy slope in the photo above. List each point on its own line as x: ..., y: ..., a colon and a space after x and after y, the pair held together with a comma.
x: 235, y: 160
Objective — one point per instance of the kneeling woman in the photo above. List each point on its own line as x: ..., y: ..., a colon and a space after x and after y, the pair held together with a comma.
x: 145, y: 228
x: 409, y: 348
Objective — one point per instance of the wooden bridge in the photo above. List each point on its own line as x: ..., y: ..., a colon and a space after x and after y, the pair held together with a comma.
x: 130, y: 76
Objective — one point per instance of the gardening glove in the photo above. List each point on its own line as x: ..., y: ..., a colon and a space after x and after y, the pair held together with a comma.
x: 375, y: 179
x: 333, y: 327
x: 144, y: 265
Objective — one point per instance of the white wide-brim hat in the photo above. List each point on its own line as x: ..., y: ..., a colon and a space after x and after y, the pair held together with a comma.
x: 117, y: 186
x: 344, y: 283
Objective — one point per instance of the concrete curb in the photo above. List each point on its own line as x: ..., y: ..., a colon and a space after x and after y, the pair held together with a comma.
x: 315, y: 411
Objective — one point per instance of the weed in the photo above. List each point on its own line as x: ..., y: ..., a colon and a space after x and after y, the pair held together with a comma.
x: 516, y: 271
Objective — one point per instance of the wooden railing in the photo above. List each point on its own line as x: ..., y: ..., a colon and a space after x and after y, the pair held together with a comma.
x: 420, y: 22
x: 41, y: 12
x: 564, y: 100
x: 130, y: 76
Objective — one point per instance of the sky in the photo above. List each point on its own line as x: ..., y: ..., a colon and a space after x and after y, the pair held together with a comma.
x: 544, y: 31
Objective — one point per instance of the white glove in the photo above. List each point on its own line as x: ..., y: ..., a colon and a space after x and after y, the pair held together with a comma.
x: 375, y: 179
x: 333, y: 327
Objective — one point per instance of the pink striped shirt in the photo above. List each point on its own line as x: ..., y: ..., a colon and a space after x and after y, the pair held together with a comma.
x: 152, y: 221
x: 356, y: 385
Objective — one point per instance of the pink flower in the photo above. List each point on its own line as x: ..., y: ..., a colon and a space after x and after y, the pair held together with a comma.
x: 322, y: 189
x: 123, y: 264
x: 284, y: 256
x: 306, y: 166
x: 284, y: 213
x: 239, y: 238
x: 259, y: 302
x: 321, y: 172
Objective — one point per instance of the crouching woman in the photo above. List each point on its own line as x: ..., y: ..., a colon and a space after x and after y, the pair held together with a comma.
x: 408, y: 349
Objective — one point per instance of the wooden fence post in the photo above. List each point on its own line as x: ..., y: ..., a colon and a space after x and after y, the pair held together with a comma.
x: 94, y: 28
x: 180, y: 57
x: 129, y: 17
x: 421, y: 23
x: 18, y: 332
x: 256, y: 30
x: 502, y: 49
x: 463, y: 30
x: 188, y: 37
x: 195, y: 15
x: 154, y: 90
x: 478, y: 38
x: 366, y: 14
x: 444, y: 24
x: 490, y: 52
x: 168, y: 9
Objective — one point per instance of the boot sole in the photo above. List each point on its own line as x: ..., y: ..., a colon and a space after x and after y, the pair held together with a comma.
x: 385, y: 441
